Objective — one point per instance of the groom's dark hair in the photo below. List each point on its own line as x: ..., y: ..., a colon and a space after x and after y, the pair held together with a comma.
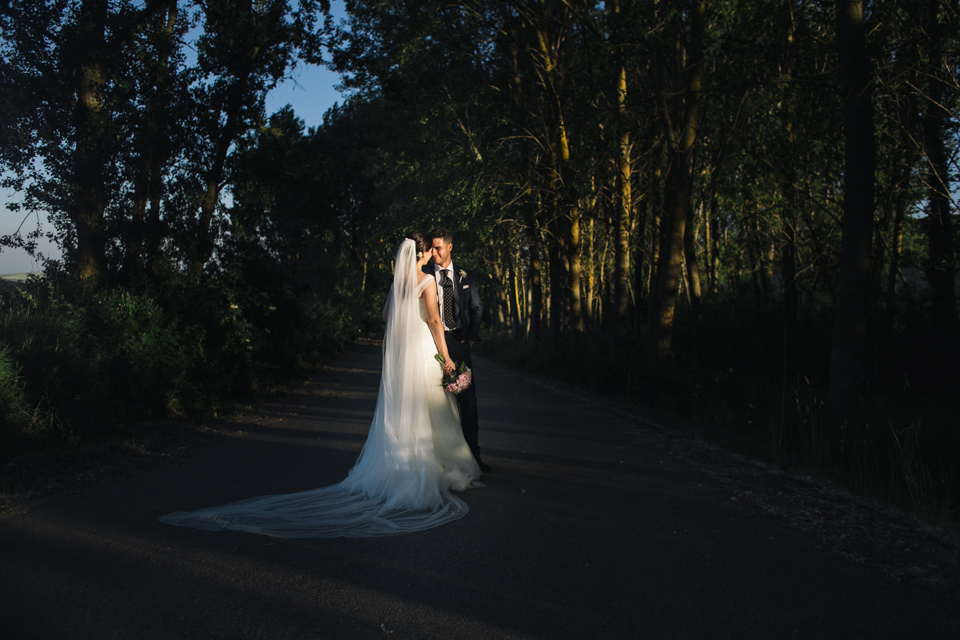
x: 441, y: 232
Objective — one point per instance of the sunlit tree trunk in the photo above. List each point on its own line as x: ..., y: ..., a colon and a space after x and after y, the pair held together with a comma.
x: 690, y: 257
x: 711, y: 234
x: 624, y: 202
x: 713, y: 240
x: 546, y: 50
x: 555, y: 267
x: 577, y: 326
x: 535, y: 280
x: 501, y: 312
x: 680, y: 143
x: 572, y: 258
x: 590, y: 262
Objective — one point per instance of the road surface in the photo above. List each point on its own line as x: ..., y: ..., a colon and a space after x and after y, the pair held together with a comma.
x: 592, y: 525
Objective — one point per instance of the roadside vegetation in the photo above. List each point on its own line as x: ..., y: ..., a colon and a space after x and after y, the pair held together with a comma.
x: 725, y: 383
x: 76, y: 368
x: 739, y: 213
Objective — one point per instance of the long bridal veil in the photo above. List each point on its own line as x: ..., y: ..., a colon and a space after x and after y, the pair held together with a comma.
x: 397, y: 484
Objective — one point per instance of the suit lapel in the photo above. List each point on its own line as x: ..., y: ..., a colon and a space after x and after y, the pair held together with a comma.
x: 458, y: 300
x: 456, y: 280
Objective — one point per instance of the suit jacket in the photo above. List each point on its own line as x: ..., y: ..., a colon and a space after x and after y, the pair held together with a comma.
x: 468, y: 310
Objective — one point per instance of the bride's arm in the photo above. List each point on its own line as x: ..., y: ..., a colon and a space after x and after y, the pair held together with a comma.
x: 436, y: 326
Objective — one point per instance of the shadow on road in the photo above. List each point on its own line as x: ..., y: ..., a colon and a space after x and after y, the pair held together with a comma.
x: 582, y: 532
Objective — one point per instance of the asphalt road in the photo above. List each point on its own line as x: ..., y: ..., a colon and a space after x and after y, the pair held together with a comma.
x: 585, y: 530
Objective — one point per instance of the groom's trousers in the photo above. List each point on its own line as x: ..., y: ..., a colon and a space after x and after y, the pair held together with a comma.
x: 466, y: 399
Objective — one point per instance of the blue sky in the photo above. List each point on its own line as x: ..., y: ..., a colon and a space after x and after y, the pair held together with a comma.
x: 311, y: 92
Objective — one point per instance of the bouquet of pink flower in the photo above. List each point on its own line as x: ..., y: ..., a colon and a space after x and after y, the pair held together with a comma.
x: 457, y: 381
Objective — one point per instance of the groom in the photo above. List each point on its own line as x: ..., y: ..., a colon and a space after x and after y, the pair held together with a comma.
x: 460, y: 311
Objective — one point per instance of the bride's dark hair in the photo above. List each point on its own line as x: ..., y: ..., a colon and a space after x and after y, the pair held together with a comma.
x: 423, y: 243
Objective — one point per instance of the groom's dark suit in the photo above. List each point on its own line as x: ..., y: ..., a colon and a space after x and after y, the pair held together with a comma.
x: 467, y: 312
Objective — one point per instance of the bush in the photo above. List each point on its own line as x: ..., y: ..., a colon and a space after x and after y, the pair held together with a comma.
x: 14, y: 413
x: 76, y: 367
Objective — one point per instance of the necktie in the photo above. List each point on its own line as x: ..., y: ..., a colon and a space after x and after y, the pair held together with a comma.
x: 447, y: 285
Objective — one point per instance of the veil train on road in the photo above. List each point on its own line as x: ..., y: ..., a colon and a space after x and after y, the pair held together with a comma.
x: 413, y: 457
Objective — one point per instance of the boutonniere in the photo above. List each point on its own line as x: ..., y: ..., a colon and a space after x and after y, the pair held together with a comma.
x: 463, y: 273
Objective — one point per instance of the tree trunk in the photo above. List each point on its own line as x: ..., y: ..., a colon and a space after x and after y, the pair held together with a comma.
x: 680, y: 192
x: 754, y: 260
x: 553, y: 250
x: 662, y: 311
x: 714, y: 241
x: 89, y: 153
x: 591, y: 278
x: 655, y: 189
x: 791, y: 298
x: 640, y: 266
x: 942, y: 265
x: 214, y: 179
x: 513, y: 296
x: 788, y: 216
x: 624, y: 206
x: 573, y: 259
x: 205, y: 239
x: 502, y: 296
x: 690, y: 255
x: 769, y: 258
x: 711, y: 233
x: 848, y: 379
x: 899, y: 197
x: 145, y: 238
x: 535, y: 278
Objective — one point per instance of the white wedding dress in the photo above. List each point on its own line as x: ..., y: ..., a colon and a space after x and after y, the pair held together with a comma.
x: 414, y: 455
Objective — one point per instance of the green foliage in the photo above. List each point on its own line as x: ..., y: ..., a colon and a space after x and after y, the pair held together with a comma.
x: 75, y: 368
x: 14, y: 413
x: 177, y: 86
x: 506, y: 123
x: 87, y: 365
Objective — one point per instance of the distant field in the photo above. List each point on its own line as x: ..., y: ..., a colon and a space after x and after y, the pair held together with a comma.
x: 16, y: 277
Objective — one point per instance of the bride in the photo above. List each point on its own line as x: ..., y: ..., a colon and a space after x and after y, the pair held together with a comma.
x: 414, y: 455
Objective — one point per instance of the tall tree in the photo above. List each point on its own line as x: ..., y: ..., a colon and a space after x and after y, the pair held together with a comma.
x: 92, y: 52
x: 248, y: 47
x: 624, y: 194
x: 848, y: 375
x: 680, y: 134
x: 940, y: 82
